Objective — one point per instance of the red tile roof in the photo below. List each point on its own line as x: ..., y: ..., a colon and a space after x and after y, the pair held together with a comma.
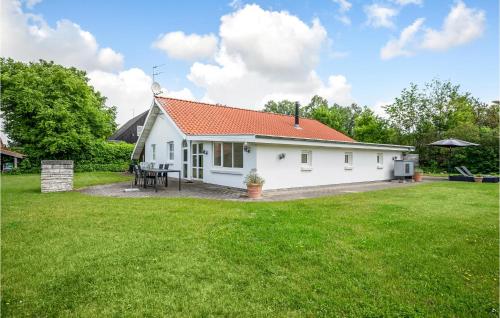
x: 195, y: 118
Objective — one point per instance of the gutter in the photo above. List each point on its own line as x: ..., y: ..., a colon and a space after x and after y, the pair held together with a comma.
x: 369, y: 144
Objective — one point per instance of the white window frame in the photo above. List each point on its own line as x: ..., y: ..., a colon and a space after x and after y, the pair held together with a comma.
x: 222, y: 155
x: 171, y: 151
x: 349, y: 164
x: 153, y: 152
x: 306, y: 166
x: 380, y: 160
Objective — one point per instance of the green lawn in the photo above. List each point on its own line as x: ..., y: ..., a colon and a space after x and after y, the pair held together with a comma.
x: 427, y: 250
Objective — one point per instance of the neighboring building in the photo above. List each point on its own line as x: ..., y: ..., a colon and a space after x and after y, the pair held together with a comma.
x: 9, y: 159
x: 130, y: 131
x: 220, y: 145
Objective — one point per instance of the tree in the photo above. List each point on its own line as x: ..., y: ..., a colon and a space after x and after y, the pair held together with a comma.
x: 52, y: 111
x: 285, y: 107
x: 440, y: 110
x: 371, y: 128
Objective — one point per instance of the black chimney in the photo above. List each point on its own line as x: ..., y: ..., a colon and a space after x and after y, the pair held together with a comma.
x: 297, y: 115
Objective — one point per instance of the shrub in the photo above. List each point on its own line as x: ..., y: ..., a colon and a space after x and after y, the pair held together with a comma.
x: 103, y: 156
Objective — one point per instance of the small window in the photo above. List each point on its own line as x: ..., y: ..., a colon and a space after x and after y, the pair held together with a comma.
x: 305, y: 158
x: 153, y: 151
x: 348, y: 160
x: 380, y: 160
x: 170, y: 149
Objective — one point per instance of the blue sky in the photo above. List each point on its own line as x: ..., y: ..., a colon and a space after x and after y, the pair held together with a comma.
x: 349, y: 51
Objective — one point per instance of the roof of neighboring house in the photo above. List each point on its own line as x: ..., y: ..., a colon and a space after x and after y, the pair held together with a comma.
x: 7, y: 152
x: 128, y: 131
x: 195, y: 118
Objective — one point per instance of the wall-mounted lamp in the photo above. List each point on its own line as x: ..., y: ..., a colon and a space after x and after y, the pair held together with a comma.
x: 246, y: 147
x: 205, y: 152
x: 281, y: 156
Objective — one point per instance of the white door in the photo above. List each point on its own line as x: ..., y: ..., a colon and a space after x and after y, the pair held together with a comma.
x: 197, y: 160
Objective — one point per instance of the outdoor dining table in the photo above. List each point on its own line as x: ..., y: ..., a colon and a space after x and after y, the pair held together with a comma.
x: 157, y: 173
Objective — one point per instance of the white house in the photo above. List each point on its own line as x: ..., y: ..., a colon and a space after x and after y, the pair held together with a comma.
x: 220, y: 145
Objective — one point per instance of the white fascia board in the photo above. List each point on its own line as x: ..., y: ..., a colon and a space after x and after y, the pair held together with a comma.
x: 169, y: 119
x: 140, y: 140
x: 226, y: 138
x: 329, y: 144
x: 148, y: 125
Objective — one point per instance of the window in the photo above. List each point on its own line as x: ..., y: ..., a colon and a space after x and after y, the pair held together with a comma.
x: 305, y: 158
x: 228, y: 155
x: 217, y: 154
x: 153, y: 152
x: 170, y: 150
x: 380, y: 160
x: 348, y: 160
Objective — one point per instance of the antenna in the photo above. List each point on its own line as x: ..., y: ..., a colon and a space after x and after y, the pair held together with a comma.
x: 156, y: 87
x: 155, y: 70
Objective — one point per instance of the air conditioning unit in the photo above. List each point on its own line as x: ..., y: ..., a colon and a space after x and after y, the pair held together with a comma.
x: 404, y: 168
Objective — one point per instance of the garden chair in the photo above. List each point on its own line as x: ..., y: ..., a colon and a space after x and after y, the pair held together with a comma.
x: 137, y: 175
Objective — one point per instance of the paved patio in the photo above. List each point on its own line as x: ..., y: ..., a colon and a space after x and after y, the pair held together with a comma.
x: 210, y: 191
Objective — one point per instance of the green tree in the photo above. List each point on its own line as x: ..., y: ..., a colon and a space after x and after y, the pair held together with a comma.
x: 52, y: 111
x: 285, y: 107
x: 372, y: 128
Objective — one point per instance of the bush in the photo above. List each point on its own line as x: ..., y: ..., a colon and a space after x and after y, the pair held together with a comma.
x: 103, y: 156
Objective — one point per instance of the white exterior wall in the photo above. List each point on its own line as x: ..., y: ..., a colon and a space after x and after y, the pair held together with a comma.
x: 231, y: 177
x: 327, y: 166
x: 162, y: 132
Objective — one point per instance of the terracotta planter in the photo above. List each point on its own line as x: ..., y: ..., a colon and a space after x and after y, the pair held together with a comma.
x: 478, y: 179
x: 418, y: 177
x: 254, y: 191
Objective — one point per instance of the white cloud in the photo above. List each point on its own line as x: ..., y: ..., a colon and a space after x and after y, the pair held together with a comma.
x: 130, y: 90
x: 379, y: 16
x: 270, y: 42
x: 399, y: 46
x: 184, y: 93
x: 236, y: 4
x: 462, y: 25
x: 272, y: 59
x: 190, y: 47
x: 379, y: 110
x: 30, y: 38
x: 344, y: 7
x: 407, y: 2
x: 30, y: 4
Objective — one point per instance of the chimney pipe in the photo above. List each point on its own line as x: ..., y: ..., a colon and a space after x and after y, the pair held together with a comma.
x: 297, y: 115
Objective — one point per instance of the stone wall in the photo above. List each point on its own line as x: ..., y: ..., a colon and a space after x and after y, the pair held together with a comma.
x: 57, y: 175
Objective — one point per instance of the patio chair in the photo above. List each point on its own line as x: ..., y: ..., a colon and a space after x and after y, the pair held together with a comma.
x: 138, y: 179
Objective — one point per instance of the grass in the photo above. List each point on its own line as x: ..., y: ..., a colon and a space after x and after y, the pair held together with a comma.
x: 425, y: 251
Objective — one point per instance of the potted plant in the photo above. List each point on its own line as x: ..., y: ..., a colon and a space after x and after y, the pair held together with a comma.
x: 418, y: 175
x: 254, y: 184
x: 478, y: 178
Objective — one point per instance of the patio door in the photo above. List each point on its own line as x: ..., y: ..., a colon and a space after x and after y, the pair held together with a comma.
x: 197, y: 160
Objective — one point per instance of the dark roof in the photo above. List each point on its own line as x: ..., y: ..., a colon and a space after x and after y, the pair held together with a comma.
x: 128, y: 131
x: 7, y: 152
